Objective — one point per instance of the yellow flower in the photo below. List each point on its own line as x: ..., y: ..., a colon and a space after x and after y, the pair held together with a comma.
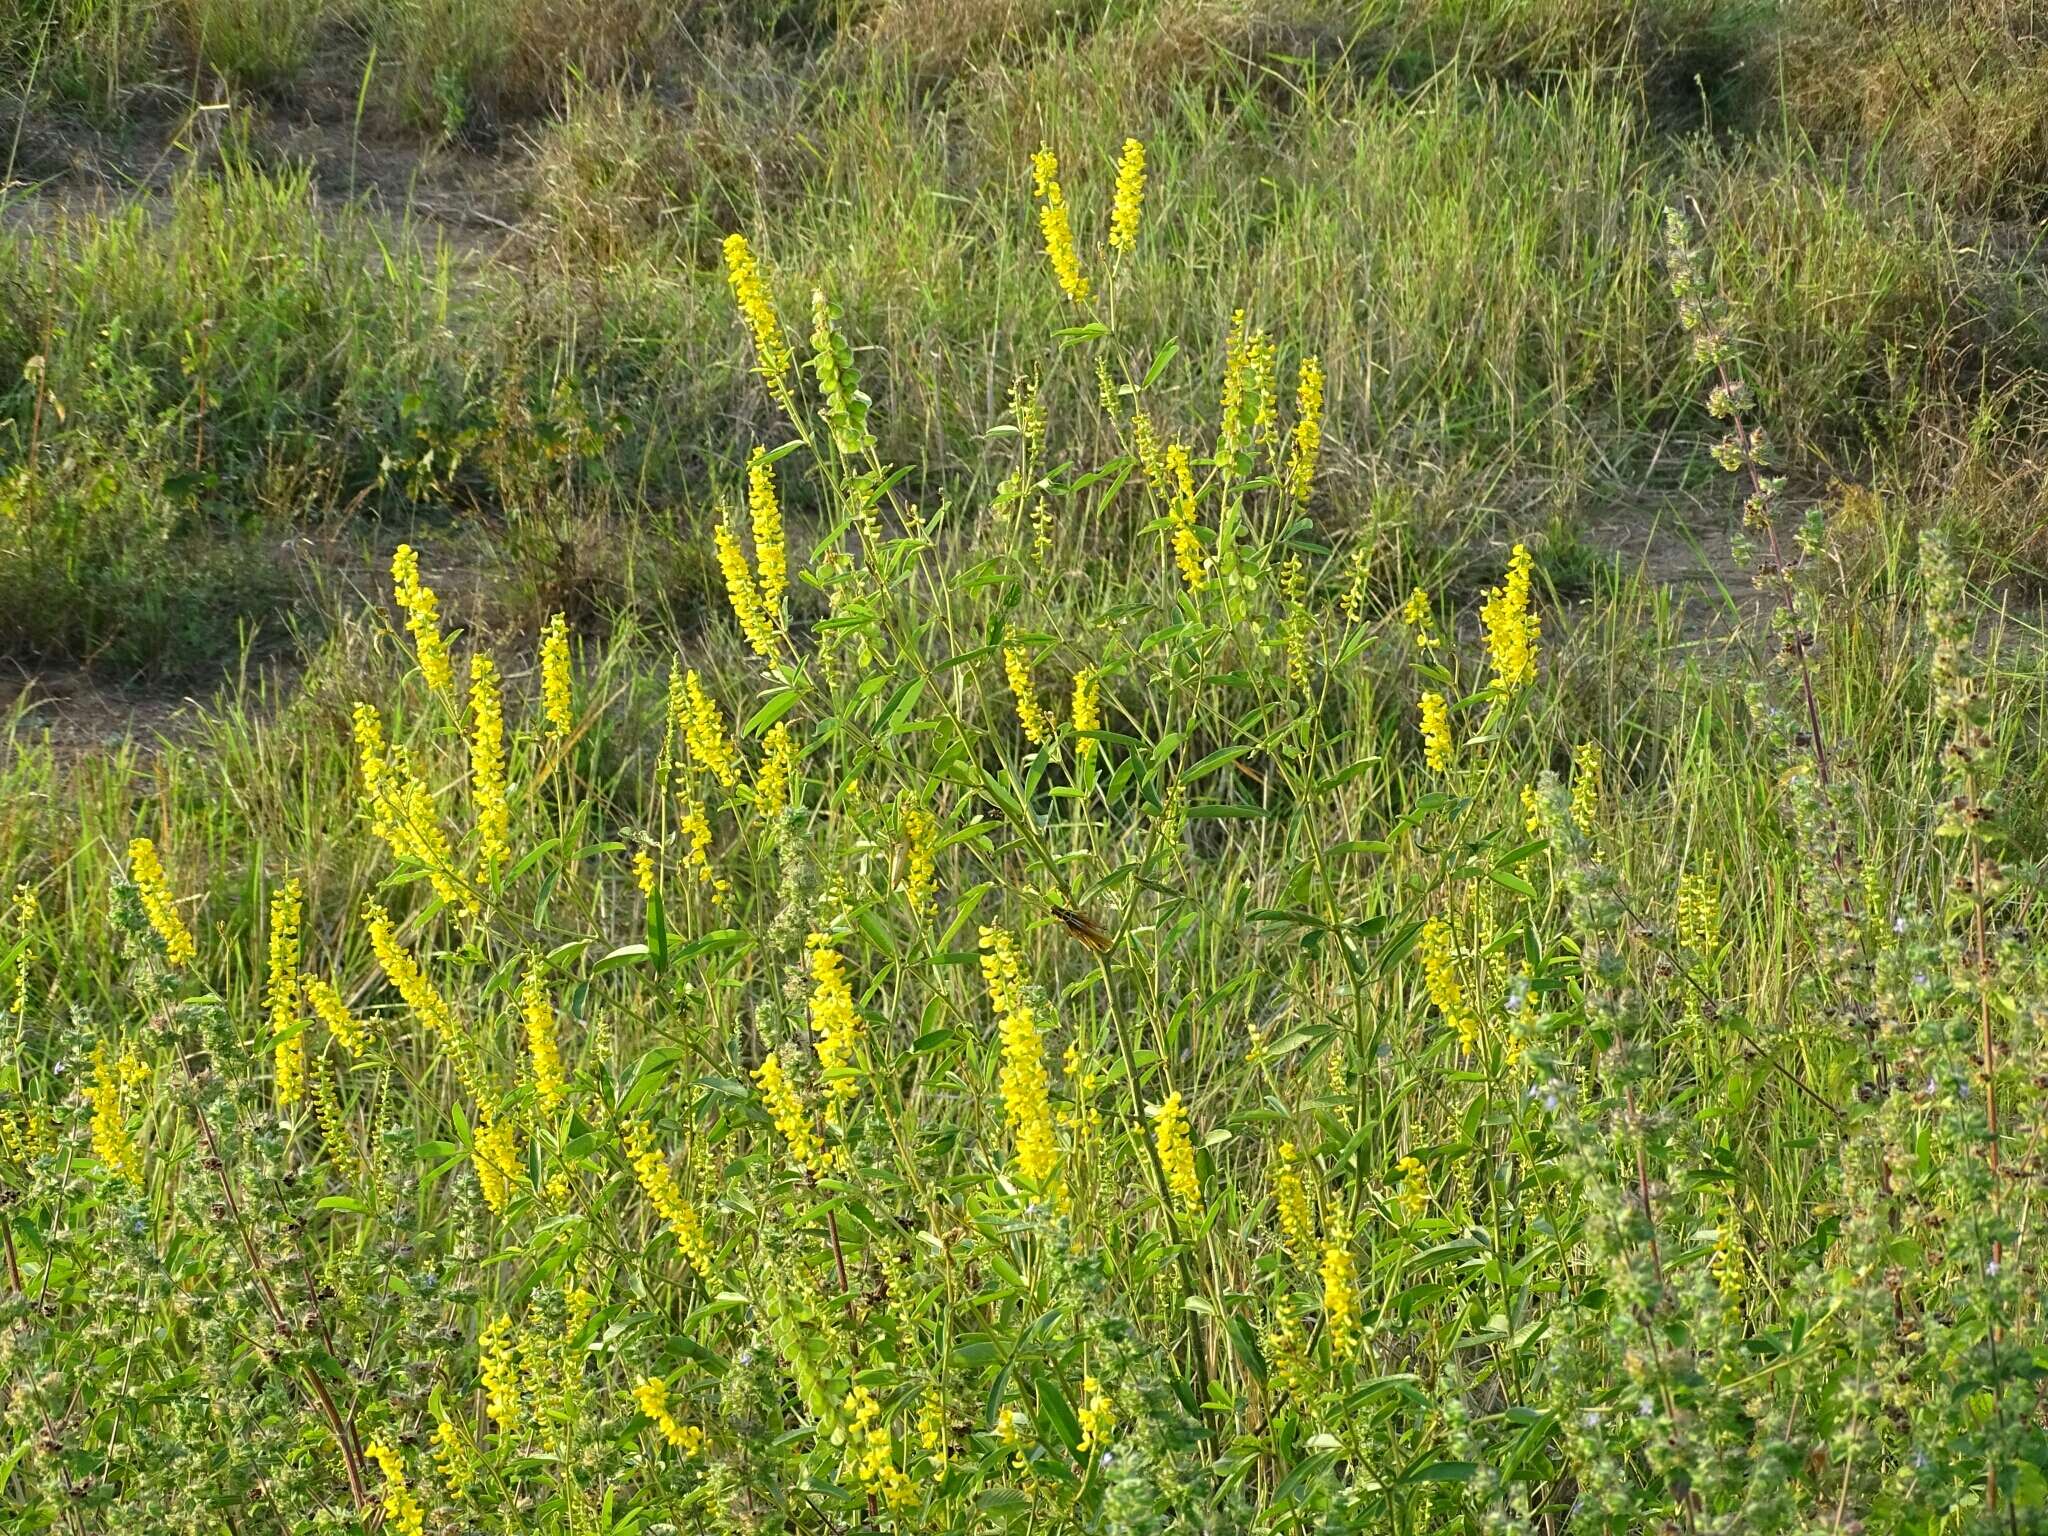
x: 702, y: 726
x: 487, y: 763
x: 1025, y: 1083
x: 158, y: 904
x: 455, y: 1457
x: 1439, y: 955
x: 1699, y: 910
x: 786, y: 1108
x: 869, y: 1454
x: 1181, y: 516
x: 1290, y: 1197
x: 1438, y: 749
x: 328, y: 1007
x: 557, y: 699
x: 1087, y: 710
x: 1030, y: 713
x: 650, y: 1394
x: 498, y: 1366
x: 1250, y: 407
x: 1177, y: 1156
x: 753, y: 615
x: 696, y: 826
x: 26, y: 912
x: 402, y: 809
x: 1055, y: 226
x: 771, y: 554
x: 1532, y: 820
x: 757, y: 309
x: 333, y: 1127
x: 931, y: 1433
x: 1151, y: 458
x: 1097, y: 1414
x: 422, y: 616
x: 1296, y: 627
x: 1129, y: 203
x: 1352, y: 602
x: 1413, y: 1198
x: 1511, y: 626
x: 1416, y: 615
x: 658, y: 1183
x: 778, y: 768
x: 111, y: 1142
x: 643, y: 872
x: 1587, y: 764
x: 496, y: 1156
x: 1286, y: 1350
x: 281, y: 995
x: 1340, y: 1292
x: 920, y: 833
x: 539, y: 1013
x: 836, y: 1024
x: 1308, y: 429
x: 403, y: 1515
x: 425, y: 1001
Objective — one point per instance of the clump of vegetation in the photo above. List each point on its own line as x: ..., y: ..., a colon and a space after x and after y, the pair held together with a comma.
x: 1120, y: 1010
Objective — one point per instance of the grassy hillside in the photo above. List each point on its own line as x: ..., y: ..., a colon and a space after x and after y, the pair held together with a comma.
x: 994, y: 768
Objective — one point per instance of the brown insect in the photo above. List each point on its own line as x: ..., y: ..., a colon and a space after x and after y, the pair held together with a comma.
x: 1083, y: 927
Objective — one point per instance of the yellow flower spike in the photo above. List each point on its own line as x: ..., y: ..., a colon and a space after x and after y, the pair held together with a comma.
x: 1097, y: 1416
x: 836, y: 1024
x: 1532, y: 819
x: 401, y: 809
x: 498, y: 1367
x: 695, y: 825
x: 1176, y: 1148
x: 112, y: 1143
x: 455, y: 1458
x: 870, y: 1455
x: 1129, y: 204
x: 422, y: 616
x: 499, y: 1173
x: 1340, y: 1292
x: 1026, y: 1085
x: 26, y: 911
x: 538, y: 1011
x: 658, y: 1182
x: 348, y: 1031
x: 426, y: 1002
x: 1087, y: 711
x: 158, y: 905
x: 557, y: 696
x: 281, y: 995
x: 487, y: 763
x: 1588, y: 765
x: 403, y: 1515
x: 1058, y: 230
x: 643, y: 873
x: 1413, y: 1198
x: 1183, y: 519
x: 750, y: 292
x: 920, y: 836
x: 741, y: 591
x: 1438, y: 748
x: 1439, y: 955
x: 1290, y: 1198
x: 1415, y: 613
x: 778, y: 770
x: 792, y: 1118
x: 1308, y: 429
x: 1031, y: 715
x: 771, y: 553
x: 1511, y: 626
x: 650, y: 1395
x: 704, y: 734
x: 1151, y: 456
